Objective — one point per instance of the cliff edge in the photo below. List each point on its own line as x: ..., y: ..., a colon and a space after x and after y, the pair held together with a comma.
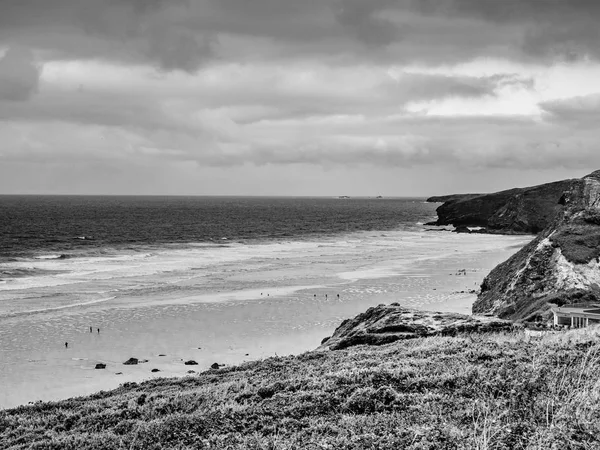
x: 519, y: 210
x: 560, y: 266
x: 384, y: 324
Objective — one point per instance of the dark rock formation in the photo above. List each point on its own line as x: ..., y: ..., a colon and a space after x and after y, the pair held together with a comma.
x: 215, y: 365
x: 100, y: 366
x: 131, y: 362
x: 389, y: 323
x: 561, y: 266
x: 155, y: 370
x: 519, y: 210
x: 452, y: 197
x: 191, y: 362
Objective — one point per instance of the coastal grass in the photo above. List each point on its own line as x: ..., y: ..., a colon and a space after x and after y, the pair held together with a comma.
x: 488, y: 391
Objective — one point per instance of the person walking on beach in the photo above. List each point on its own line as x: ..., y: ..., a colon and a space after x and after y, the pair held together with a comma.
x: 98, y: 330
x: 90, y: 329
x: 66, y: 345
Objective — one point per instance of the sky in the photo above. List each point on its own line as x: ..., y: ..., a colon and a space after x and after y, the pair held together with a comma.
x: 296, y: 97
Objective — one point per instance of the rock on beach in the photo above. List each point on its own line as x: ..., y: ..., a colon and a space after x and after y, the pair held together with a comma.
x: 384, y: 324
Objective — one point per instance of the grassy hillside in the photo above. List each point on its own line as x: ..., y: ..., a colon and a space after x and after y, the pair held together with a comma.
x: 496, y: 391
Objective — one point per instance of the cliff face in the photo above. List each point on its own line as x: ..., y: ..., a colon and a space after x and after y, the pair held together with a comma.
x: 520, y: 210
x: 389, y: 323
x: 560, y: 266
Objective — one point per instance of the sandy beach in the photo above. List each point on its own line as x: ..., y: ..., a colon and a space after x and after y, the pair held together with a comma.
x: 239, y: 303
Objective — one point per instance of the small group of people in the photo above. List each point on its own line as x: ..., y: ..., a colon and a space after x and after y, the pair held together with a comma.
x: 91, y: 331
x: 338, y: 296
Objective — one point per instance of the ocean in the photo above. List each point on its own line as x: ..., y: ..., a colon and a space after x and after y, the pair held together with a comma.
x: 79, y: 225
x: 213, y: 279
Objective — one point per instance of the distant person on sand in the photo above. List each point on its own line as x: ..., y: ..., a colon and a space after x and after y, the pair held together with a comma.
x: 66, y: 345
x: 98, y: 330
x: 90, y: 329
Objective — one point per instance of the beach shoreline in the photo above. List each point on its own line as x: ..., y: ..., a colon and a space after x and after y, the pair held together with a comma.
x: 282, y: 304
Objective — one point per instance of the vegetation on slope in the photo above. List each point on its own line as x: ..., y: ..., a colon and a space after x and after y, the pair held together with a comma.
x: 476, y: 391
x: 561, y: 265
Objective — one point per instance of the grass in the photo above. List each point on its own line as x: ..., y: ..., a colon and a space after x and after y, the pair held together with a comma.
x: 490, y: 391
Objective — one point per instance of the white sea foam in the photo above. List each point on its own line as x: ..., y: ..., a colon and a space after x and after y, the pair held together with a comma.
x: 174, y: 299
x: 172, y: 272
x: 56, y: 308
x: 50, y: 257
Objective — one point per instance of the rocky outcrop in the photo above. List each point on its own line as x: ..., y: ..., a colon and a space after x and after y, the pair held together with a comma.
x: 451, y: 197
x: 389, y: 323
x: 561, y: 266
x: 519, y: 210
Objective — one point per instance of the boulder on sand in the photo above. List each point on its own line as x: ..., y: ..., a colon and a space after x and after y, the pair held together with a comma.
x: 191, y: 362
x: 100, y: 366
x: 215, y: 365
x: 131, y: 362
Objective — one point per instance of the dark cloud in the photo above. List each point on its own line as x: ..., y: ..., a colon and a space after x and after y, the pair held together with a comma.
x: 19, y: 75
x: 548, y: 28
x: 575, y: 111
x: 428, y: 87
x: 118, y: 110
x: 124, y: 30
x: 362, y: 20
x: 519, y: 10
x: 185, y: 34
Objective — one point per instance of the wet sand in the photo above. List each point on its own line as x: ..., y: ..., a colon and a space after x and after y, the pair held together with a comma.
x: 282, y: 302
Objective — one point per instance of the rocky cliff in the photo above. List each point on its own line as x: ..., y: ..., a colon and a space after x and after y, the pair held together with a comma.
x: 389, y: 323
x: 520, y: 210
x: 561, y: 266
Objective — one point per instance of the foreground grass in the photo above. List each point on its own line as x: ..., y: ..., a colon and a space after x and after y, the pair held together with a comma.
x: 504, y: 391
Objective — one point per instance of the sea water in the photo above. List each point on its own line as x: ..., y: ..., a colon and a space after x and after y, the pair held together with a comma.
x: 209, y: 279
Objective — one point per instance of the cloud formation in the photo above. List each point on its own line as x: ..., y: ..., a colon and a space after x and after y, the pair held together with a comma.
x: 159, y: 86
x: 19, y: 75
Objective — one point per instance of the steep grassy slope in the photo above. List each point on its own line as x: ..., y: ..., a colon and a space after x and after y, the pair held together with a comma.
x: 488, y: 391
x: 560, y: 266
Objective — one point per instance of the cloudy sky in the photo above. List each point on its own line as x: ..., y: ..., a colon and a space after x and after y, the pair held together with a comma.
x: 296, y: 97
